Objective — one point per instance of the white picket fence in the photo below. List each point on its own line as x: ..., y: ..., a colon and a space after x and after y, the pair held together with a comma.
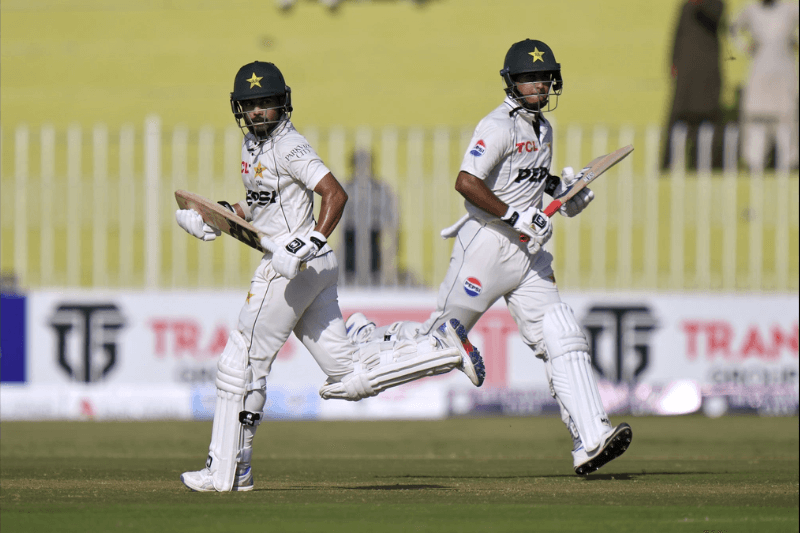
x: 110, y: 223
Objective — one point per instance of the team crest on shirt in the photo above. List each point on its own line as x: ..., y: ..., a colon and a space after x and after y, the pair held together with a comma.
x: 479, y: 149
x: 472, y: 286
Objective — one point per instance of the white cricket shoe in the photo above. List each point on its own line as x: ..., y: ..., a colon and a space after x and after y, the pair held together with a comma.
x: 201, y: 480
x: 615, y: 442
x: 471, y: 360
x: 358, y: 328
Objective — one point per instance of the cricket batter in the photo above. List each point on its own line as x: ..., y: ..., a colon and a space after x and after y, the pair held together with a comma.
x: 294, y: 289
x: 498, y: 250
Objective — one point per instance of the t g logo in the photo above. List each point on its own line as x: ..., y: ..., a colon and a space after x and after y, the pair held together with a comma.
x: 619, y: 339
x: 91, y: 355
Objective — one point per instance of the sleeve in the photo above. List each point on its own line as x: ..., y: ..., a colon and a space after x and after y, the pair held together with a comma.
x: 488, y: 146
x: 741, y: 23
x: 303, y: 163
x: 739, y: 26
x: 245, y: 207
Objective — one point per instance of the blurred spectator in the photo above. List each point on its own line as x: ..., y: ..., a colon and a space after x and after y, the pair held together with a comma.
x: 696, y: 71
x: 370, y: 224
x: 769, y: 100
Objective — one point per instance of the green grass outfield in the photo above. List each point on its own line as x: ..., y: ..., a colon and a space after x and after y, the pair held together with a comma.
x: 693, y: 474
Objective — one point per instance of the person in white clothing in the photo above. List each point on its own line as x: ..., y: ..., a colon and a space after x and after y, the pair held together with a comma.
x: 499, y: 250
x: 769, y: 99
x: 295, y: 289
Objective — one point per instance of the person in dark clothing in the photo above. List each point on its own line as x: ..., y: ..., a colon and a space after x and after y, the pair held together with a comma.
x: 696, y: 71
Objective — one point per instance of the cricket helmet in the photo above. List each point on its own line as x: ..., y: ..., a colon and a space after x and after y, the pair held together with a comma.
x: 255, y: 81
x: 531, y: 56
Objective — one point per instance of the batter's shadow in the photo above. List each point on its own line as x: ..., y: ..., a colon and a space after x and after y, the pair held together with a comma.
x: 623, y: 476
x: 631, y: 476
x: 396, y: 486
x: 639, y: 475
x: 399, y: 486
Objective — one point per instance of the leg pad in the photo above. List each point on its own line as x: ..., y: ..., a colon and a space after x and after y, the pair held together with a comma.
x: 572, y: 378
x: 381, y: 365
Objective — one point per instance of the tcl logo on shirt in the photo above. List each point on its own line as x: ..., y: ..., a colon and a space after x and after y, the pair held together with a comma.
x: 527, y: 146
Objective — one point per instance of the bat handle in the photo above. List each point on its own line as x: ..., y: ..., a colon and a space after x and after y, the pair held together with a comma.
x: 268, y: 245
x: 550, y: 210
x: 552, y: 207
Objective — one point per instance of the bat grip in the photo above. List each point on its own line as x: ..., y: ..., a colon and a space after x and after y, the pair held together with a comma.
x: 550, y: 210
x: 552, y: 207
x: 268, y: 245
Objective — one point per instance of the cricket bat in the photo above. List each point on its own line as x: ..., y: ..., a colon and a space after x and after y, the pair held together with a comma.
x: 226, y: 221
x: 596, y: 168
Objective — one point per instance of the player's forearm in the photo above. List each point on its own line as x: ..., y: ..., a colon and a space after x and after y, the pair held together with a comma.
x: 331, y: 206
x: 478, y: 194
x: 330, y: 213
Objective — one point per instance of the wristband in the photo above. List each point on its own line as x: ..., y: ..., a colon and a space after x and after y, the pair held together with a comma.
x: 510, y: 217
x: 227, y: 206
x: 318, y: 239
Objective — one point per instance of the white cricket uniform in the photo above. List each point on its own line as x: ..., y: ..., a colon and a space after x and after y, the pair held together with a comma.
x: 279, y: 177
x: 512, y: 155
x: 489, y: 261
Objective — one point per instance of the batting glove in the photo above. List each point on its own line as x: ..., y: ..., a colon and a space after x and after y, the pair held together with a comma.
x: 308, y: 247
x: 286, y: 263
x: 191, y: 221
x: 577, y: 203
x: 534, y: 226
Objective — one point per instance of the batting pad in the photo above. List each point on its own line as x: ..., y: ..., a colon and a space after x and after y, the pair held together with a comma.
x: 378, y: 366
x: 572, y: 377
x: 226, y: 432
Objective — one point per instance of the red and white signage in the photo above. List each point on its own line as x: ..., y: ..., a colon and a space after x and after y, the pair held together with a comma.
x: 172, y: 339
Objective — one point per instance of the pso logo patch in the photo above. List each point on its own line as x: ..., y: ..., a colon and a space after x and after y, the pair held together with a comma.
x: 472, y: 286
x: 479, y: 149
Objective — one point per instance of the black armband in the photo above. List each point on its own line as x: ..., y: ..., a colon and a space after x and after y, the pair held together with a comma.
x: 550, y: 184
x: 227, y: 206
x: 512, y: 219
x: 317, y: 242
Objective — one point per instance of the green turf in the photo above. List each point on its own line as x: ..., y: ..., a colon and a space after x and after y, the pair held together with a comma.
x: 505, y: 474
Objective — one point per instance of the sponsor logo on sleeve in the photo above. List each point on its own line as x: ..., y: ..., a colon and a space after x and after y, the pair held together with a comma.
x: 472, y: 286
x: 298, y: 152
x: 479, y: 149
